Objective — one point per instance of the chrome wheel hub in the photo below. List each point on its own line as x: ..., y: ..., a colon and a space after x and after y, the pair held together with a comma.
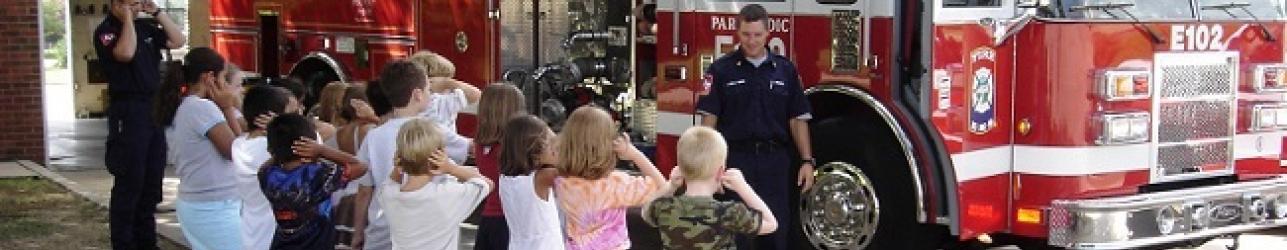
x: 841, y: 210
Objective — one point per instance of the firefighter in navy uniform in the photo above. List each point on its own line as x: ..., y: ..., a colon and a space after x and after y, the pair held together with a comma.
x: 755, y: 99
x: 130, y: 50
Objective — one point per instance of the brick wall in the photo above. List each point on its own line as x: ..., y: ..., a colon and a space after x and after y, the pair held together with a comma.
x: 22, y: 130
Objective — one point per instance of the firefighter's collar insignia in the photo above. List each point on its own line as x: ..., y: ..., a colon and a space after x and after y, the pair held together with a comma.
x: 982, y: 91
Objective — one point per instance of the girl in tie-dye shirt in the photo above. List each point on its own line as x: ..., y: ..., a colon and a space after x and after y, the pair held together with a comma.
x: 592, y: 196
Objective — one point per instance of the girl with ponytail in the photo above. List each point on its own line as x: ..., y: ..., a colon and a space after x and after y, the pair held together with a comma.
x: 194, y: 105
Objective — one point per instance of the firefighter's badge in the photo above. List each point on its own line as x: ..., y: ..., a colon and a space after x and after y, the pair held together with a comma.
x: 106, y: 39
x: 982, y: 91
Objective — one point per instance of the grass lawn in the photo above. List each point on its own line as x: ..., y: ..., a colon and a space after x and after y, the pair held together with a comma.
x: 39, y: 214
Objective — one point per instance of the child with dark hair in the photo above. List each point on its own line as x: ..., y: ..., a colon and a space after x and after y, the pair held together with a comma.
x: 249, y: 153
x: 299, y: 92
x: 296, y: 88
x: 379, y: 102
x: 194, y: 106
x: 361, y: 118
x: 299, y: 185
x: 526, y: 185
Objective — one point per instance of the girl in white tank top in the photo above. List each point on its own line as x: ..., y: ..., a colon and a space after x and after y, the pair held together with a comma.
x: 526, y: 185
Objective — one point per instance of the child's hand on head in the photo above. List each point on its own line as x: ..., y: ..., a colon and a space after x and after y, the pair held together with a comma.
x: 676, y: 178
x: 263, y: 119
x: 624, y: 149
x: 364, y: 110
x: 732, y: 179
x: 307, y: 148
x: 224, y: 96
x: 396, y: 175
x: 441, y: 161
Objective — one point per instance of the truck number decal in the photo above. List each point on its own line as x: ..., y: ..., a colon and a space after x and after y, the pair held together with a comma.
x: 1197, y: 37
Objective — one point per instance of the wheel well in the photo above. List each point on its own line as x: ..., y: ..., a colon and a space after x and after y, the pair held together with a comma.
x: 315, y: 71
x: 878, y: 125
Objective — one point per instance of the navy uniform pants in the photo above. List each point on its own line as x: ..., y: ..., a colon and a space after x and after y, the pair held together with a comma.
x: 136, y: 155
x: 772, y: 175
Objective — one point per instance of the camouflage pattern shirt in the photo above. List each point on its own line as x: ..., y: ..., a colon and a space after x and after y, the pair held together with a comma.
x: 688, y: 222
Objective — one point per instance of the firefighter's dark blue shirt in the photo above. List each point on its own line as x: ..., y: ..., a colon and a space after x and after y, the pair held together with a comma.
x: 138, y: 79
x: 754, y: 103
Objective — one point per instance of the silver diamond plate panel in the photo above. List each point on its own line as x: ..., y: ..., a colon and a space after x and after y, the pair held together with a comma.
x: 516, y: 33
x: 1193, y: 120
x: 1196, y: 80
x: 1193, y: 105
x: 1185, y: 158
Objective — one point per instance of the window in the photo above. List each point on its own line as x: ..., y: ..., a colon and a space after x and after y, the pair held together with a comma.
x: 1263, y: 9
x: 1142, y: 9
x: 971, y: 3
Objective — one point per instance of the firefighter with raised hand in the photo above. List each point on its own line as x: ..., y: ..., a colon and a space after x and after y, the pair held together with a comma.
x: 130, y: 52
x: 755, y: 99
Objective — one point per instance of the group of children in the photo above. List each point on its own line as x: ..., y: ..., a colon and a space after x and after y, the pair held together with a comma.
x: 273, y: 184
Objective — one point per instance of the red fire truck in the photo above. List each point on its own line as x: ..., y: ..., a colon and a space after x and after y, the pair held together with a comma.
x: 1090, y: 124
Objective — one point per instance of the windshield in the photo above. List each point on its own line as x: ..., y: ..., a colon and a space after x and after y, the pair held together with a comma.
x: 1263, y: 9
x: 1141, y: 9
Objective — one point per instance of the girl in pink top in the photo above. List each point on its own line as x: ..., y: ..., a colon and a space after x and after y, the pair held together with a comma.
x: 592, y: 196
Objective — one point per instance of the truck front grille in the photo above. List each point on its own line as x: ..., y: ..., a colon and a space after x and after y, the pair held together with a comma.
x: 1193, y: 110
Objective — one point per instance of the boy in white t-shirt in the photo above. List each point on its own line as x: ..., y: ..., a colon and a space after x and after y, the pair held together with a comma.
x: 426, y: 206
x: 404, y: 85
x: 249, y: 153
x: 447, y: 98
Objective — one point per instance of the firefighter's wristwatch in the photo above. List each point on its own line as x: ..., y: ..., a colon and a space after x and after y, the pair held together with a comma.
x: 811, y: 161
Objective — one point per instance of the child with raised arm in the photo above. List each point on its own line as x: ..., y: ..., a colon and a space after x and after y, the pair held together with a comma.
x: 592, y: 195
x: 526, y: 185
x: 404, y: 86
x: 249, y: 153
x: 195, y: 106
x: 447, y: 98
x: 299, y: 185
x: 695, y: 220
x: 428, y: 196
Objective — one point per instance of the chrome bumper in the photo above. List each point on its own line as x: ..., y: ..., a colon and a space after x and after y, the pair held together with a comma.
x: 1157, y: 218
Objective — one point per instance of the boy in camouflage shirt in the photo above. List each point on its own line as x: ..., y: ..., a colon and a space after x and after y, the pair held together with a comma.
x: 695, y: 220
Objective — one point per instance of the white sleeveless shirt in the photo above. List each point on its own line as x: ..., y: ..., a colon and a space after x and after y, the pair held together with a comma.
x: 533, y: 223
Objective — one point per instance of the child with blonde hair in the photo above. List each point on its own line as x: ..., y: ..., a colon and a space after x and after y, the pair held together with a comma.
x: 593, y: 196
x: 447, y: 98
x: 428, y: 196
x: 695, y: 220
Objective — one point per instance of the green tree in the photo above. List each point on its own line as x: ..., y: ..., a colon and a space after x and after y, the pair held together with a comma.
x: 52, y: 17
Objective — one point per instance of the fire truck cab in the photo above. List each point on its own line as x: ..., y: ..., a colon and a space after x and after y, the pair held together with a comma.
x: 1089, y: 124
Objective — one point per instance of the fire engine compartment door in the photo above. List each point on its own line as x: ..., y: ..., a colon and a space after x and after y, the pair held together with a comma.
x: 972, y: 104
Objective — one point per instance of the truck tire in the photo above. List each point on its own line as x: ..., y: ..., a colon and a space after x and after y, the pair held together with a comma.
x: 862, y: 176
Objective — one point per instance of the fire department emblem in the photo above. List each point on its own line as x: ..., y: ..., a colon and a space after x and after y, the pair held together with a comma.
x: 982, y: 92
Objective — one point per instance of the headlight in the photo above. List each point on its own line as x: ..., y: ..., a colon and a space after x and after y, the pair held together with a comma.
x: 1168, y: 220
x: 1280, y: 206
x: 1268, y: 117
x: 1123, y: 128
x: 1256, y: 207
x: 1270, y: 78
x: 1117, y: 85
